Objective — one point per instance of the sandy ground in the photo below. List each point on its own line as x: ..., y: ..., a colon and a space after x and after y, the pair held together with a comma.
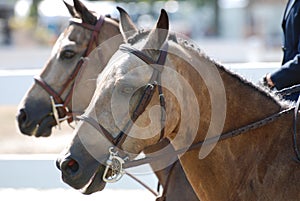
x: 66, y: 194
x: 13, y: 142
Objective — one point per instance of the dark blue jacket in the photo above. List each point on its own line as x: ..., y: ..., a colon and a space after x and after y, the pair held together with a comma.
x: 289, y: 73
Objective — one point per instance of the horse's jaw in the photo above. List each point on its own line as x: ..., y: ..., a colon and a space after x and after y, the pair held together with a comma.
x: 95, y: 184
x: 84, y: 185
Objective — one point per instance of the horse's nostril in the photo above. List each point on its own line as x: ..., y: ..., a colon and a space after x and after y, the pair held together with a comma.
x: 22, y: 116
x: 69, y: 166
x: 73, y: 165
x: 26, y: 126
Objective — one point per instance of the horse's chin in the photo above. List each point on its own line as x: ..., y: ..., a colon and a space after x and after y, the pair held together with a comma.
x: 86, y: 185
x: 95, y: 184
x: 44, y: 128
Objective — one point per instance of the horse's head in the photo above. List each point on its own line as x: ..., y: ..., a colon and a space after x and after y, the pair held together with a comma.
x: 127, y: 111
x: 49, y: 100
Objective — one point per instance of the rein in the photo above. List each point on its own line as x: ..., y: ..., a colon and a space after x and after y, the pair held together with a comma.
x: 60, y: 106
x: 289, y: 90
x: 223, y: 136
x: 211, y: 140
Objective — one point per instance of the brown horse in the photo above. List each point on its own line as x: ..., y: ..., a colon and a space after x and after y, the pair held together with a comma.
x: 201, y: 103
x: 85, y: 32
x: 36, y: 115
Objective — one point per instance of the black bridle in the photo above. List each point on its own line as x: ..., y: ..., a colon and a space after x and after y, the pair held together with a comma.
x: 154, y: 82
x: 60, y: 105
x: 114, y: 163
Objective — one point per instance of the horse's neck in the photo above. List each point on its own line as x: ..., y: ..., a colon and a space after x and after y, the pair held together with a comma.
x: 109, y: 40
x: 245, y: 102
x: 234, y: 99
x: 238, y: 100
x: 109, y: 30
x: 238, y: 168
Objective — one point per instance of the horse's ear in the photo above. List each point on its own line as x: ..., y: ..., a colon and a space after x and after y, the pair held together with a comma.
x: 70, y: 9
x: 159, y: 34
x: 127, y: 27
x: 86, y: 15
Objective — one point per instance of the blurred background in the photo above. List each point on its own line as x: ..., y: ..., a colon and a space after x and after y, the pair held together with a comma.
x: 244, y: 35
x: 254, y: 23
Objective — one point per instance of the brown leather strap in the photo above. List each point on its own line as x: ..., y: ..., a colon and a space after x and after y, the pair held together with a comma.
x: 48, y: 89
x: 97, y: 126
x: 154, y: 82
x: 142, y: 183
x: 64, y: 110
x: 95, y: 35
x: 211, y: 140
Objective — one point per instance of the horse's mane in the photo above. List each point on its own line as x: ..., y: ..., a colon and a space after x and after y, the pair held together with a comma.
x: 112, y: 18
x: 142, y: 34
x: 259, y: 89
x: 191, y: 47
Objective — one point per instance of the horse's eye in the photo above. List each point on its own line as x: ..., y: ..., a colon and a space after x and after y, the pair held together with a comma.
x: 67, y: 54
